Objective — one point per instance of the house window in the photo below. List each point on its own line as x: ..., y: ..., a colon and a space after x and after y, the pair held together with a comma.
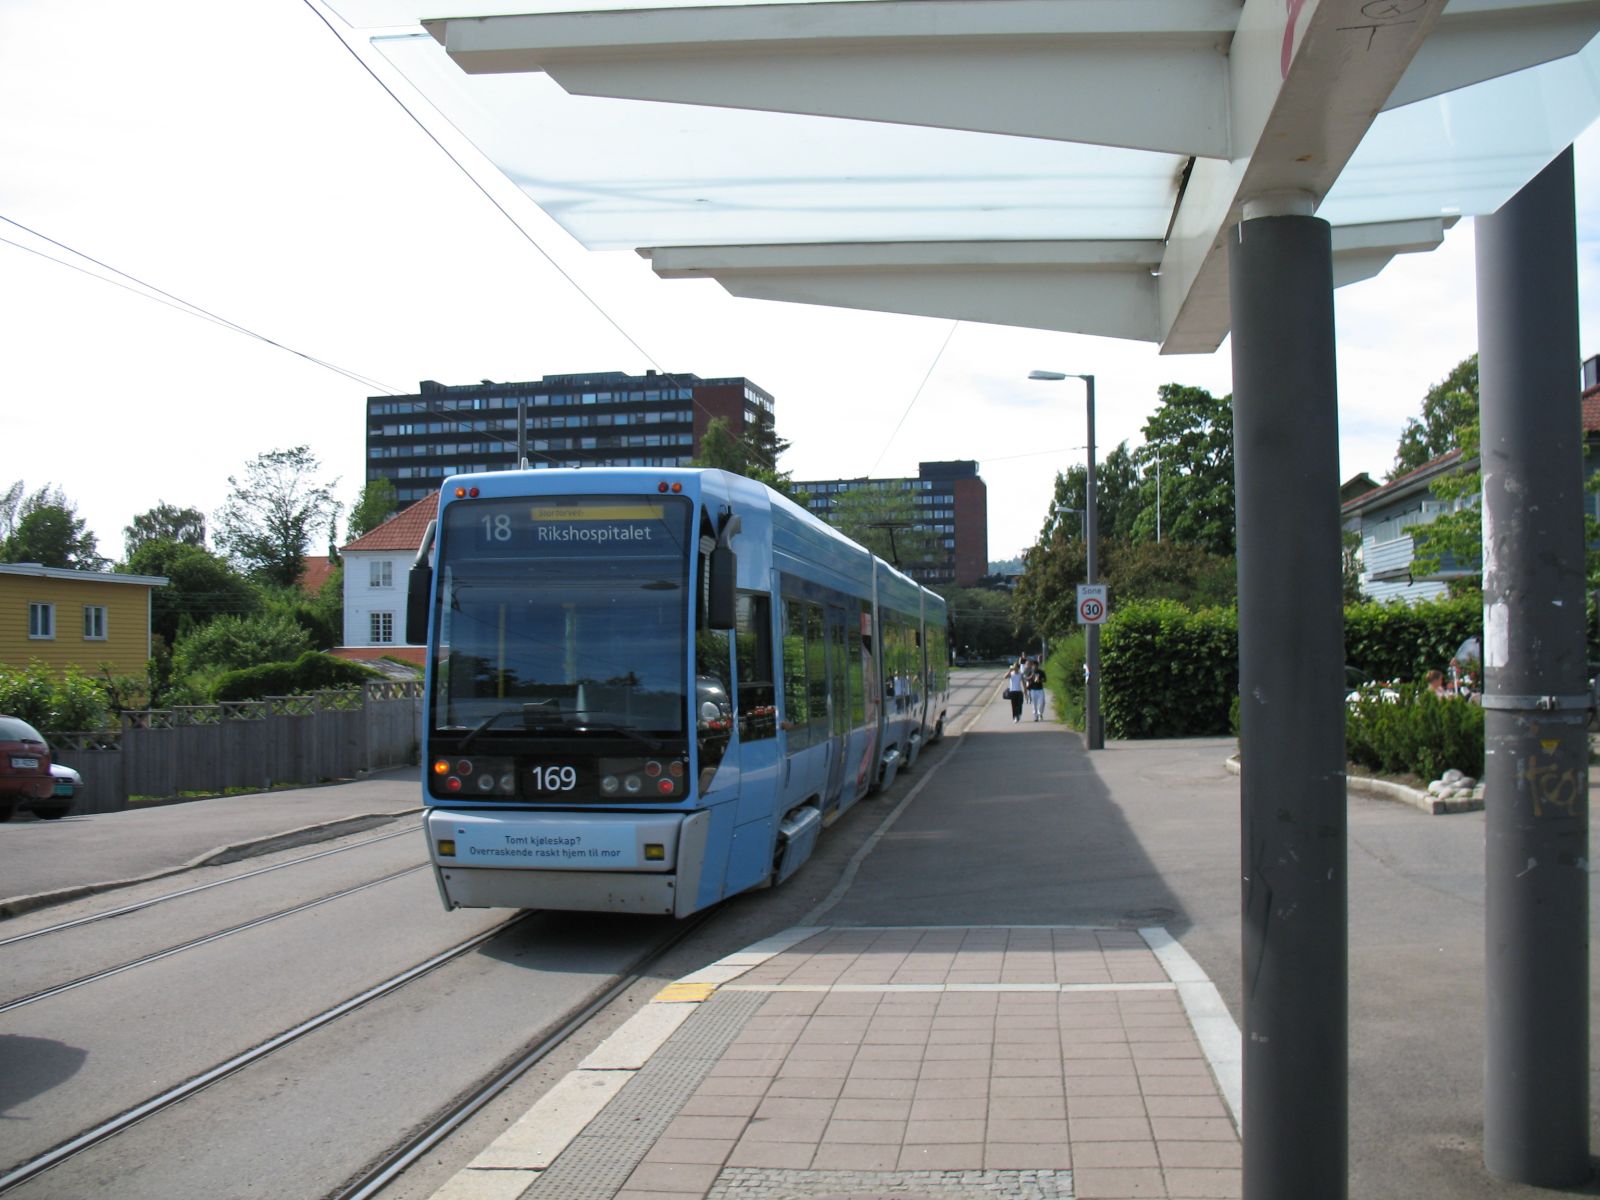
x: 382, y: 573
x: 94, y: 622
x: 382, y: 628
x: 41, y: 620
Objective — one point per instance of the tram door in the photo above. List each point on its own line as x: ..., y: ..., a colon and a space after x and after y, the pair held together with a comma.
x: 838, y: 703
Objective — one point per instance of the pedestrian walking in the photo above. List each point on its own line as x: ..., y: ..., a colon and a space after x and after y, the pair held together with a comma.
x: 1014, y: 689
x: 1035, y: 687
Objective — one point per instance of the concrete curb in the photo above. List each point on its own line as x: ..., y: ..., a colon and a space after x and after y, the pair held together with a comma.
x: 1383, y: 789
x: 15, y: 906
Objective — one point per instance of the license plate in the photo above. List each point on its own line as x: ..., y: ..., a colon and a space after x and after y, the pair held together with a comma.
x: 24, y: 764
x: 62, y: 789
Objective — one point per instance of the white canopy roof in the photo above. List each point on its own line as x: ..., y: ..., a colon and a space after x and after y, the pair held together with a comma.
x: 1057, y: 164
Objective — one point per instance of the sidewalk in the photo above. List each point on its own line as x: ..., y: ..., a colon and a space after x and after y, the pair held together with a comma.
x: 1032, y: 1063
x: 48, y: 862
x: 973, y: 1059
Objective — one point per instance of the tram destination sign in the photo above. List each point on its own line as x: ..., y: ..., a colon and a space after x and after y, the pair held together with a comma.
x: 576, y: 527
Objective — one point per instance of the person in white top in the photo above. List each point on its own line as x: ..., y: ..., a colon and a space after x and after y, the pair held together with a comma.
x: 1015, y: 685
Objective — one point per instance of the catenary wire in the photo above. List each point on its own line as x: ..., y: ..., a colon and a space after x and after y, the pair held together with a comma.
x: 162, y: 296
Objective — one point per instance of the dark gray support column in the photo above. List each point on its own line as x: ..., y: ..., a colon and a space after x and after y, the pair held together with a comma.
x: 1536, y: 1078
x: 1291, y: 676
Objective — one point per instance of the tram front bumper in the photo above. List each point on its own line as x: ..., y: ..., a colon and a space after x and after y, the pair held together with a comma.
x: 592, y: 862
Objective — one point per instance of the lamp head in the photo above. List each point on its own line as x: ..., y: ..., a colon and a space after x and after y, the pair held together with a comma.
x: 1046, y: 375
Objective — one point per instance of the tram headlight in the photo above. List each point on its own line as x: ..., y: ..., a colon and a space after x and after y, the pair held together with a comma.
x: 632, y: 784
x: 610, y: 785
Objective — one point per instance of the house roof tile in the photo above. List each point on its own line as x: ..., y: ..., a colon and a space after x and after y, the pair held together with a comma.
x: 403, y: 531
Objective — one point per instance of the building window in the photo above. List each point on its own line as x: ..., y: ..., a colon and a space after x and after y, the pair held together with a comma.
x: 382, y: 573
x: 94, y: 622
x: 382, y: 628
x: 41, y: 620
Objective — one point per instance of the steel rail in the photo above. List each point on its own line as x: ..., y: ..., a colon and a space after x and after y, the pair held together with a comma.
x: 39, y: 1164
x: 388, y: 1168
x: 205, y: 939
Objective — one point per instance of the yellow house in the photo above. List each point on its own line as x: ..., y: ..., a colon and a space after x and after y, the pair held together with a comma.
x: 75, y: 618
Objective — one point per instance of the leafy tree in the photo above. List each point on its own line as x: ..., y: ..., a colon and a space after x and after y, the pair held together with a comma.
x: 1350, y: 563
x: 9, y: 503
x: 46, y: 529
x: 1191, y: 575
x: 271, y: 515
x: 379, y: 501
x: 200, y: 586
x: 982, y: 625
x: 1117, y: 499
x: 1193, y: 431
x: 321, y: 615
x: 754, y: 454
x: 883, y: 518
x: 1450, y: 422
x: 1449, y: 412
x: 1045, y: 602
x: 165, y: 523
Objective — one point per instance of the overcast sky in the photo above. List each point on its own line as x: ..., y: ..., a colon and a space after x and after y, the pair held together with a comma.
x: 238, y: 157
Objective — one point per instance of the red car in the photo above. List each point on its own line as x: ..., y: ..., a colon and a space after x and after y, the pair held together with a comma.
x: 24, y: 766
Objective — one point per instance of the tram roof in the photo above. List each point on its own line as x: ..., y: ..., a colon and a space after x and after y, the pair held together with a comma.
x: 1058, y: 164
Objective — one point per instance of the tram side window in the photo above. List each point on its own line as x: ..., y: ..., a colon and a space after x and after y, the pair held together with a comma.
x: 758, y: 714
x: 817, y: 672
x: 796, y: 696
x: 938, y: 658
x: 858, y: 689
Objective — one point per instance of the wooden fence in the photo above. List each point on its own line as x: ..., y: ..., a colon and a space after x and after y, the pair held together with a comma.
x: 247, y: 744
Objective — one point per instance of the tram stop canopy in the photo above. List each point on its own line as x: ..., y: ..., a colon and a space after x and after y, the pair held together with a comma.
x: 1056, y: 164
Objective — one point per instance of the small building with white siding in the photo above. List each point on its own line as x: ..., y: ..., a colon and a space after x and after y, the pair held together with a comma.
x: 376, y: 565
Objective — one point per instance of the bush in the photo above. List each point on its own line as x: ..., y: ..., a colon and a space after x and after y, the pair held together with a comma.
x: 311, y: 672
x: 1167, y: 671
x: 229, y: 643
x: 69, y: 703
x: 1420, y: 734
x: 1063, y: 673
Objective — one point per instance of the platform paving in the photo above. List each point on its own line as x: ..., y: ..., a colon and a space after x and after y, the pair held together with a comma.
x: 1020, y: 1063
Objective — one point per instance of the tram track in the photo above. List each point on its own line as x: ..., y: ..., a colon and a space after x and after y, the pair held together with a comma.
x: 141, y: 905
x: 205, y: 940
x: 372, y: 1182
x: 61, y: 1152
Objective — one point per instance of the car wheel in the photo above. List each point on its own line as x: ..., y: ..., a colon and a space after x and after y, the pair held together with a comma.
x: 5, y: 813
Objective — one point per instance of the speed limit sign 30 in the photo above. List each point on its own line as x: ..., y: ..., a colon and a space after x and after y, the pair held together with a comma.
x: 1092, y: 603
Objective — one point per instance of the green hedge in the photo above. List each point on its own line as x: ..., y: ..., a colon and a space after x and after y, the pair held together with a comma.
x: 1167, y: 671
x: 1401, y: 641
x: 1063, y: 673
x: 311, y: 672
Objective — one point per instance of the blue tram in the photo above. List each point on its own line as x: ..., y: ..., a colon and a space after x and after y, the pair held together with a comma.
x: 649, y: 689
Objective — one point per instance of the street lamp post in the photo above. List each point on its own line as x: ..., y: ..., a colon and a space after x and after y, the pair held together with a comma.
x: 1094, y: 726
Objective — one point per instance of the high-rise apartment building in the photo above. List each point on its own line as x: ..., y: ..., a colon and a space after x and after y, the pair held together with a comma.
x: 950, y: 502
x: 605, y: 418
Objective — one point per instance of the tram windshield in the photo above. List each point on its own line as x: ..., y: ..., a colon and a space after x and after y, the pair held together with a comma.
x: 563, y: 614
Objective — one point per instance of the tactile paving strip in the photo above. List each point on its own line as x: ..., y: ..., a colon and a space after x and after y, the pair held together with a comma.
x: 600, y: 1159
